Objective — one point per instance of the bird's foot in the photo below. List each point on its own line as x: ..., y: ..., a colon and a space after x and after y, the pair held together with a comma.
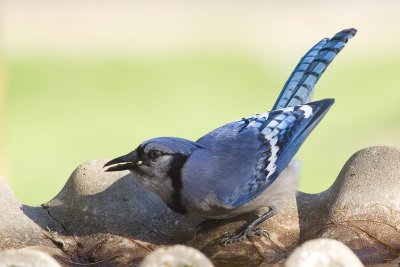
x: 235, y: 238
x: 250, y: 229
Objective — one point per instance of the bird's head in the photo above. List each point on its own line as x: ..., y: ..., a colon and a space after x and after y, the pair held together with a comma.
x: 156, y: 162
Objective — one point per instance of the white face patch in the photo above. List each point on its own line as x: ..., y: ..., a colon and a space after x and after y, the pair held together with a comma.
x: 307, y: 110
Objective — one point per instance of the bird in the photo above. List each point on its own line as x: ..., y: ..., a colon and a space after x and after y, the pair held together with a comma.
x: 243, y: 165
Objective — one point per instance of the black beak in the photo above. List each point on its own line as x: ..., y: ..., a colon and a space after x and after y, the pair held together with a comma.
x: 126, y: 162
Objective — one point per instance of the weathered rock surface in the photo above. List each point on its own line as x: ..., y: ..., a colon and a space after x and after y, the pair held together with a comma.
x: 92, y: 211
x: 362, y: 207
x: 112, y: 220
x: 105, y: 202
x: 17, y: 229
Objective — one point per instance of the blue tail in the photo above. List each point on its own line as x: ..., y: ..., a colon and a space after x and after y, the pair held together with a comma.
x: 299, y: 87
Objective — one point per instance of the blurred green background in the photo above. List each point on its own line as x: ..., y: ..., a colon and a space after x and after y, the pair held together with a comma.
x: 93, y: 79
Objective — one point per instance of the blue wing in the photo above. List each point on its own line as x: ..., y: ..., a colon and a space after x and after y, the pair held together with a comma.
x: 299, y: 87
x: 272, y: 139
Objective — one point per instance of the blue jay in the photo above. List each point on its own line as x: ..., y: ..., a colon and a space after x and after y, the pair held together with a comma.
x: 244, y: 165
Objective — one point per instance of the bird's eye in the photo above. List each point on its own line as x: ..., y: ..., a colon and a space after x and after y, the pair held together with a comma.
x: 154, y: 154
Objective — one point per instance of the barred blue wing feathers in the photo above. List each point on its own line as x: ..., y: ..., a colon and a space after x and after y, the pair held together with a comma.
x: 281, y: 133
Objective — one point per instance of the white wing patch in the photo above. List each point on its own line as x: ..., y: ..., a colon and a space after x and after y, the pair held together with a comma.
x: 274, y: 151
x: 307, y: 110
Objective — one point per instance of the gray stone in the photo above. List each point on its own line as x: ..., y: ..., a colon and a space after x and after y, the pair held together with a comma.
x: 26, y: 258
x: 17, y: 230
x: 176, y: 256
x: 93, y: 201
x: 361, y: 208
x: 323, y: 253
x: 110, y: 218
x: 93, y: 209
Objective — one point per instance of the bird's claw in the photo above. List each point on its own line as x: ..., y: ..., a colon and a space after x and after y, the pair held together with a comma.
x: 258, y: 232
x: 235, y: 238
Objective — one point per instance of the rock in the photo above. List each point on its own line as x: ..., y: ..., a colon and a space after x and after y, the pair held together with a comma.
x: 93, y: 201
x: 112, y: 250
x: 323, y: 253
x: 26, y: 258
x: 177, y: 256
x: 91, y: 212
x: 109, y: 218
x: 361, y: 208
x: 24, y: 233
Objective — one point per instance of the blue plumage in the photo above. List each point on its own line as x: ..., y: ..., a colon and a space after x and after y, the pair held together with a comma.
x: 246, y: 164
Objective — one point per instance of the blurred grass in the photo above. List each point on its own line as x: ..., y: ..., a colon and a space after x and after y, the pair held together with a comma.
x: 61, y: 111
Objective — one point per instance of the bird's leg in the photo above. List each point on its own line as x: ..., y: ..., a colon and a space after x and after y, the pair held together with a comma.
x: 250, y: 229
